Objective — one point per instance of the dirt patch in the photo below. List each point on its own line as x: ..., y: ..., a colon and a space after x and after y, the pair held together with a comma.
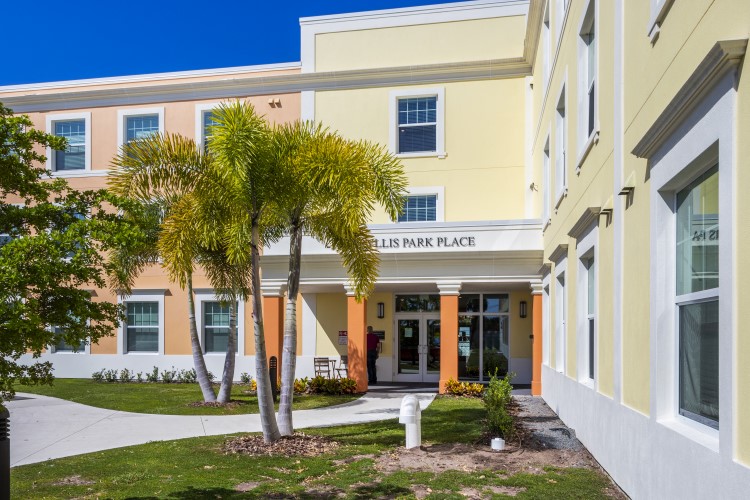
x: 234, y: 403
x: 472, y: 458
x: 73, y: 481
x: 298, y: 445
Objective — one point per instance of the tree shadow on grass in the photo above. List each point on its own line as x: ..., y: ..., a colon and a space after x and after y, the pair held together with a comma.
x: 213, y: 493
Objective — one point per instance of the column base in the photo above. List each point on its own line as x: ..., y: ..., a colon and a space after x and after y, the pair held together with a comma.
x: 536, y: 388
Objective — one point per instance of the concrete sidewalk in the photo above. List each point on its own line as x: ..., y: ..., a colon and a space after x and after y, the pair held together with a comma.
x: 43, y: 428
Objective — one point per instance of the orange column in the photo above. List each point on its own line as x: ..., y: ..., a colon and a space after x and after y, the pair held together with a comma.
x: 448, y: 332
x: 536, y: 353
x: 273, y: 326
x: 356, y: 324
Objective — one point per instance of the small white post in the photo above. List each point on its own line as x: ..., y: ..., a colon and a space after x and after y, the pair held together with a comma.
x: 411, y: 415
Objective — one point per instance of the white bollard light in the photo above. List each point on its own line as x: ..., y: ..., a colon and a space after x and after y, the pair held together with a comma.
x: 411, y: 415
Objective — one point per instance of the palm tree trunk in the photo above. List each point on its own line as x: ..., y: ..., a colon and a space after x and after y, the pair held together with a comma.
x: 225, y: 392
x: 262, y: 378
x: 201, y: 372
x: 289, y: 359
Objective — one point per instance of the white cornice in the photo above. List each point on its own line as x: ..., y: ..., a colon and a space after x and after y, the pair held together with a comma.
x: 240, y: 87
x: 724, y: 56
x: 559, y: 252
x: 589, y: 215
x: 151, y: 77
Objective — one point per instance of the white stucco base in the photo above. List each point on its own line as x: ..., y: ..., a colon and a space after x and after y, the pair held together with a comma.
x: 647, y: 458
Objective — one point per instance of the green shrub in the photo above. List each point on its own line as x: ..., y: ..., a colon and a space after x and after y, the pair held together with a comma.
x: 468, y: 389
x: 300, y: 385
x: 110, y: 375
x: 126, y: 375
x: 98, y: 376
x: 139, y: 377
x: 245, y: 378
x: 321, y: 385
x: 187, y: 376
x: 169, y: 376
x: 153, y: 376
x: 497, y: 399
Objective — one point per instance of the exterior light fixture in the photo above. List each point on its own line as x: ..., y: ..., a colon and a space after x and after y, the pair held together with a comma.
x: 523, y: 309
x: 381, y: 310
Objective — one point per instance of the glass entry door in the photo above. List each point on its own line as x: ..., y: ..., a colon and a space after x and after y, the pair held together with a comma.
x: 418, y: 348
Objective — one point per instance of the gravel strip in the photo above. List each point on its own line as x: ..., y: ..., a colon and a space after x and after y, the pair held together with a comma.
x: 546, y: 429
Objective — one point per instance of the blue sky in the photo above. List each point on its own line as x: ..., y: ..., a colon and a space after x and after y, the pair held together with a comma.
x: 48, y: 40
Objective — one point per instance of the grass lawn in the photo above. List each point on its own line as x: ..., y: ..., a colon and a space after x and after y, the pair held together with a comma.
x: 167, y: 399
x: 196, y: 468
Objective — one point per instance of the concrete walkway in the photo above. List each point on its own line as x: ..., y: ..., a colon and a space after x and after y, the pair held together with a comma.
x: 43, y: 428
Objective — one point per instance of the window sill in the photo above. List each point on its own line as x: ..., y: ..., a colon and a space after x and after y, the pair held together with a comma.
x: 546, y: 224
x: 593, y: 139
x: 78, y: 173
x: 561, y: 196
x: 588, y: 382
x: 657, y: 18
x: 694, y: 431
x: 426, y: 154
x: 140, y: 353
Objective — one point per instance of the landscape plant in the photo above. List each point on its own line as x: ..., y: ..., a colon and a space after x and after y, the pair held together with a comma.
x: 469, y: 389
x: 327, y: 187
x: 497, y: 400
x: 51, y: 256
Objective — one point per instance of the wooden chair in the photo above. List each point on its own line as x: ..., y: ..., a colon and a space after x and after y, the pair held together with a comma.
x: 343, y: 367
x: 322, y: 367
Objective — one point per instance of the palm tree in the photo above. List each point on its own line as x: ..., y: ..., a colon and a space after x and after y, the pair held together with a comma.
x: 161, y: 171
x: 246, y: 182
x: 328, y: 189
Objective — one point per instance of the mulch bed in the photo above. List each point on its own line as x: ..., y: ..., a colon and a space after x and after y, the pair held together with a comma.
x: 234, y: 403
x: 298, y: 445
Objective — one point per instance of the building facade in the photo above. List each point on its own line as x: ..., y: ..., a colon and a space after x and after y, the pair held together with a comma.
x: 574, y: 215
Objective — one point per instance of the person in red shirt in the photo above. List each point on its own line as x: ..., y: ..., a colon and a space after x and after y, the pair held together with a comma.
x: 372, y: 356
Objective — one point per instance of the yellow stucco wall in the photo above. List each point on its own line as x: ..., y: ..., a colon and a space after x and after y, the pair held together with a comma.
x: 483, y: 172
x: 448, y: 42
x: 330, y: 311
x: 520, y: 328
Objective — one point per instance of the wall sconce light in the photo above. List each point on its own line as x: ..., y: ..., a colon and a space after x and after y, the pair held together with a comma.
x: 523, y: 309
x: 381, y: 310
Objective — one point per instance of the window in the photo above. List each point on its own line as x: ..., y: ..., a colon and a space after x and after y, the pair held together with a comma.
x: 546, y: 321
x: 62, y: 346
x: 590, y: 323
x: 560, y: 150
x: 417, y: 122
x: 587, y: 75
x: 423, y: 204
x: 142, y: 326
x: 546, y: 186
x: 546, y: 40
x: 419, y: 208
x: 203, y: 121
x: 561, y: 316
x: 76, y: 129
x: 137, y: 124
x: 216, y: 327
x: 697, y: 297
x: 483, y: 335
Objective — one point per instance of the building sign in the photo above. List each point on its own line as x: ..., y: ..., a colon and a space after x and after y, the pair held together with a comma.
x: 343, y: 337
x: 427, y: 242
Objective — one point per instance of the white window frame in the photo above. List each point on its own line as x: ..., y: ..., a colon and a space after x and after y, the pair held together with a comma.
x: 53, y: 347
x: 586, y: 141
x: 123, y: 114
x: 706, y: 137
x: 141, y: 296
x: 50, y: 163
x: 439, y: 192
x: 200, y: 111
x: 561, y: 13
x: 587, y: 248
x: 209, y: 295
x: 561, y: 314
x: 561, y: 143
x: 546, y: 46
x: 395, y: 95
x: 546, y: 331
x: 546, y: 179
